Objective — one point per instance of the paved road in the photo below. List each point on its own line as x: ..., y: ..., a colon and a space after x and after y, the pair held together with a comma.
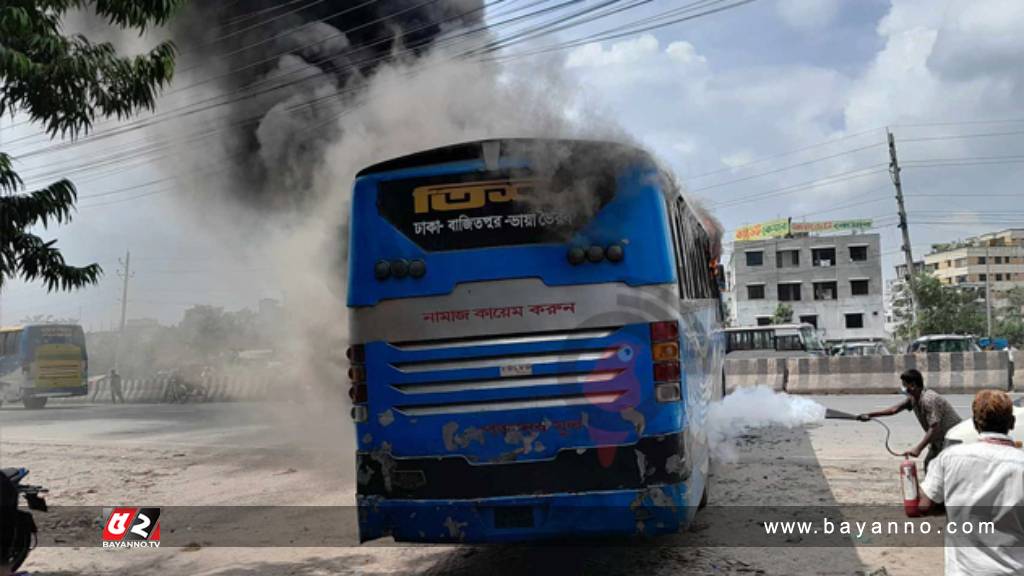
x: 834, y: 462
x: 240, y: 425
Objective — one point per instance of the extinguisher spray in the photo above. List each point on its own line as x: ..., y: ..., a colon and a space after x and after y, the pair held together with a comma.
x: 908, y: 483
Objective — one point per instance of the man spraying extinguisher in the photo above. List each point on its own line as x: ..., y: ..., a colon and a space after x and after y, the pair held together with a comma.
x: 934, y: 412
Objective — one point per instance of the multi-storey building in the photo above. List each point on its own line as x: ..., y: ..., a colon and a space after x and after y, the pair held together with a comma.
x: 995, y: 259
x: 831, y: 282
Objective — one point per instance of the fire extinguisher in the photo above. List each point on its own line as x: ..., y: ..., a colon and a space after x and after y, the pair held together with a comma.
x: 908, y: 482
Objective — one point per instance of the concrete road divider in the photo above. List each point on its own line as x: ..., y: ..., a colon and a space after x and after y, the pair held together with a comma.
x: 952, y: 372
x: 965, y: 372
x: 750, y: 372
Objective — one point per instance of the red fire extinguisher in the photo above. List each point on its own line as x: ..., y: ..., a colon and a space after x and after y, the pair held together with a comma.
x: 908, y: 482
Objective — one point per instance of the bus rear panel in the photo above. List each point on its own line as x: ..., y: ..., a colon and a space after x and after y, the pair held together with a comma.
x: 43, y: 361
x: 504, y: 390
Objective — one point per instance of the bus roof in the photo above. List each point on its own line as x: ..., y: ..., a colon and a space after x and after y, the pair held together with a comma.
x: 34, y: 324
x: 479, y: 150
x: 769, y: 327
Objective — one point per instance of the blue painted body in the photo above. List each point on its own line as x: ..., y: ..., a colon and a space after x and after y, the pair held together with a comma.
x: 666, y: 509
x: 638, y: 213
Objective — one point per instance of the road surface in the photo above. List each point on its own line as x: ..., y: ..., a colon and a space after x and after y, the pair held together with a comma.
x: 287, y: 454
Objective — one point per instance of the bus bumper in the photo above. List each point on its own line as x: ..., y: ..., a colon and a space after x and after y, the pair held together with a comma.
x: 649, y: 511
x: 55, y: 392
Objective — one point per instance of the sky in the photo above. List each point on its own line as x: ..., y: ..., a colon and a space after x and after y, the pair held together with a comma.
x: 777, y: 108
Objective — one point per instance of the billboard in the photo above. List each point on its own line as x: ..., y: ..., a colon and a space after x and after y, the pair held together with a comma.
x: 771, y: 229
x: 782, y: 227
x: 829, y: 226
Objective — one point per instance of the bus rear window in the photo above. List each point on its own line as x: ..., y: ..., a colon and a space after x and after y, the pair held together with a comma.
x: 482, y: 210
x: 54, y: 334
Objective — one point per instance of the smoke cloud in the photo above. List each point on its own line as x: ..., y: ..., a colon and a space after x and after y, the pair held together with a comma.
x: 313, y: 97
x: 291, y: 70
x: 750, y: 408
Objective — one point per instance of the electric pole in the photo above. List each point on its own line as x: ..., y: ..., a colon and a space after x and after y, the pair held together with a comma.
x: 894, y: 172
x: 126, y: 273
x: 988, y: 292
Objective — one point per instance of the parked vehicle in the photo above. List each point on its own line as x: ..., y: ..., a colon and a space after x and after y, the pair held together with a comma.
x: 965, y: 433
x: 944, y: 343
x: 860, y: 349
x: 773, y: 341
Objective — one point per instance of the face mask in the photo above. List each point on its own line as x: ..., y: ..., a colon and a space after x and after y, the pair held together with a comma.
x: 904, y: 390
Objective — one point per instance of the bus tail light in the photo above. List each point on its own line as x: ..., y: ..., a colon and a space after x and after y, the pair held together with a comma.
x: 667, y: 392
x: 357, y: 393
x: 357, y: 373
x: 359, y: 413
x: 663, y: 331
x: 664, y: 351
x: 666, y: 372
x: 356, y: 354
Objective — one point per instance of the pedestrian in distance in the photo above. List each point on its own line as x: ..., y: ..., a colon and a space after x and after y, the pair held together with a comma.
x: 115, y: 387
x: 935, y: 414
x: 981, y: 482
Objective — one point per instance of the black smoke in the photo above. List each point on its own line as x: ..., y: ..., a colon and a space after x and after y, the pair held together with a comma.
x: 285, y: 71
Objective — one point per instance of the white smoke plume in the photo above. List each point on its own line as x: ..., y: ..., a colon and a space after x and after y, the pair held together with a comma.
x: 747, y: 409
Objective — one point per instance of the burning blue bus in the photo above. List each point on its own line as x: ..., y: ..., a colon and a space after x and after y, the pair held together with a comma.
x: 536, y: 343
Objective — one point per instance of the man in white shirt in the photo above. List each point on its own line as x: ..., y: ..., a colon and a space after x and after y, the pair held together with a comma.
x: 982, y: 482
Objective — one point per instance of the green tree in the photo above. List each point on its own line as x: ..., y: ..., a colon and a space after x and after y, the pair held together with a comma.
x: 941, y: 309
x: 64, y: 82
x: 1010, y: 324
x: 783, y: 314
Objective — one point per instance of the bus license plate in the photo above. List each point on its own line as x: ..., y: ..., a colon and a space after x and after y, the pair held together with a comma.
x: 516, y: 370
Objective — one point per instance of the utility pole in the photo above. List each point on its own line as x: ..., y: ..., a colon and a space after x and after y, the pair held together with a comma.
x: 894, y: 172
x: 988, y: 292
x: 126, y: 273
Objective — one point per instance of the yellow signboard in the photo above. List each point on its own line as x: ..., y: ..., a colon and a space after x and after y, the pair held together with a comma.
x: 771, y: 229
x: 467, y: 196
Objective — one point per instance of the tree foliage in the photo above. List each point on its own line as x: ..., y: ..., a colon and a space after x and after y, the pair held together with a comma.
x: 783, y: 314
x: 1010, y: 324
x: 64, y: 83
x: 941, y: 309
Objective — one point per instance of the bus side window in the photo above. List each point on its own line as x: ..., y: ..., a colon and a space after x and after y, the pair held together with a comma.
x: 789, y: 342
x: 695, y: 249
x: 673, y: 217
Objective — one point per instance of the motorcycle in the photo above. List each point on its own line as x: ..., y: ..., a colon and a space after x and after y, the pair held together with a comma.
x: 17, y: 528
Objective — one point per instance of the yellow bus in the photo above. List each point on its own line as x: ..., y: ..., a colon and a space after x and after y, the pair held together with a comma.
x: 42, y: 361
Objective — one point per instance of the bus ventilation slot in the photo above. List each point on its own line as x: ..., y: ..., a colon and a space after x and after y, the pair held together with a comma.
x: 502, y: 405
x: 506, y: 339
x: 502, y: 383
x: 558, y: 357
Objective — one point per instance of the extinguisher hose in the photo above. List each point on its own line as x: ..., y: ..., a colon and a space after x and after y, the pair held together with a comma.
x: 887, y: 434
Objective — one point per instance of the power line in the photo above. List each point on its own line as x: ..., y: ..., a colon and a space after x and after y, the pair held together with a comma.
x: 958, y: 123
x: 210, y: 103
x: 786, y: 153
x: 826, y: 181
x: 784, y: 168
x: 962, y: 136
x: 149, y: 122
x: 146, y: 123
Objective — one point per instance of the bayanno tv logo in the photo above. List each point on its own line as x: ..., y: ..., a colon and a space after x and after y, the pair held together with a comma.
x: 131, y: 528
